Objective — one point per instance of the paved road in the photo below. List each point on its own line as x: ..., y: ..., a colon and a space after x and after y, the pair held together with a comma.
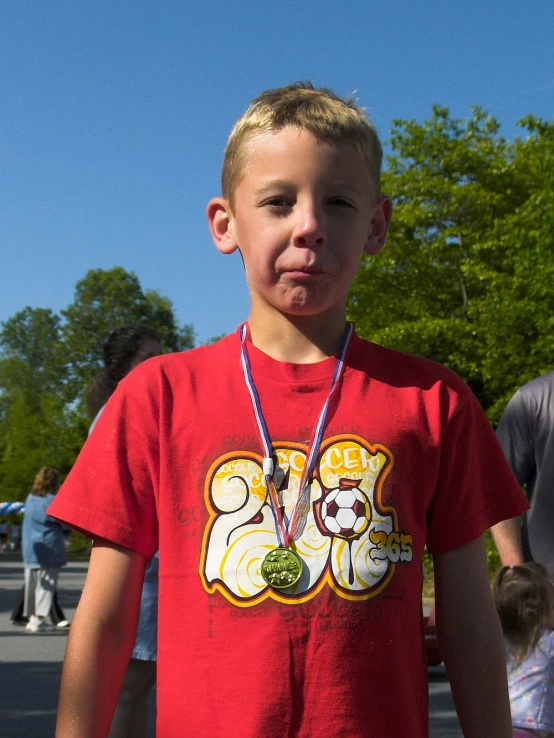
x: 30, y: 665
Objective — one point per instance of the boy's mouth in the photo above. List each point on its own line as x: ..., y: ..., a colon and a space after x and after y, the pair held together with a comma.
x: 313, y: 270
x: 305, y: 274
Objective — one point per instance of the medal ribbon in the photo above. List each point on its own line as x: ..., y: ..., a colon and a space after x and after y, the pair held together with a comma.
x: 285, y: 535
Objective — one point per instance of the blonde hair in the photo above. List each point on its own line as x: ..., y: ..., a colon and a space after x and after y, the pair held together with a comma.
x: 47, y: 481
x: 524, y: 598
x: 317, y: 110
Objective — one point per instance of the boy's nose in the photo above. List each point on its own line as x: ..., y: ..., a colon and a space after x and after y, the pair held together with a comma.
x: 310, y: 229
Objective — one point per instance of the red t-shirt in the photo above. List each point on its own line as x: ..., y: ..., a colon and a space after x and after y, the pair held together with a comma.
x: 175, y: 463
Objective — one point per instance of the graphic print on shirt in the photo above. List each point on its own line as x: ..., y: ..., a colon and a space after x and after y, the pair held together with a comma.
x: 347, y: 538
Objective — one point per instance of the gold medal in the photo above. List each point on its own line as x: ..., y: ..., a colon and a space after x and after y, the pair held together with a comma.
x: 281, y: 568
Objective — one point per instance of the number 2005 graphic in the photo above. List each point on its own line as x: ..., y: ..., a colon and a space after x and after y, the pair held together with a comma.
x: 347, y: 539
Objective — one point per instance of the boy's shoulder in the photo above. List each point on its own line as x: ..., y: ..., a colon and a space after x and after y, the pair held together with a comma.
x: 403, y: 370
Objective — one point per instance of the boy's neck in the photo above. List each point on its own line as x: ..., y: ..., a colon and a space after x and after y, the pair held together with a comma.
x: 298, y: 339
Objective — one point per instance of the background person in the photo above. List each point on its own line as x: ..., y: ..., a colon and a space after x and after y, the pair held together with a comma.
x: 15, y: 537
x: 524, y: 601
x: 57, y: 616
x: 526, y: 434
x: 123, y: 350
x: 44, y: 550
x: 3, y: 535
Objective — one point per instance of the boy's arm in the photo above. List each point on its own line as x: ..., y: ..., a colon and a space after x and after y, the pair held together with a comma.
x: 100, y: 642
x: 507, y: 538
x: 471, y: 641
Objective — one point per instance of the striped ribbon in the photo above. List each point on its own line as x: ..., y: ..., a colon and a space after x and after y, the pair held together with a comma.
x: 11, y: 508
x: 285, y: 534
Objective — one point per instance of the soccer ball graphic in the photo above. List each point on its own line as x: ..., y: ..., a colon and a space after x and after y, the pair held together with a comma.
x: 345, y: 511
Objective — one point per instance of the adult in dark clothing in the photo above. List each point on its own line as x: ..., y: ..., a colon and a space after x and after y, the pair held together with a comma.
x: 526, y: 433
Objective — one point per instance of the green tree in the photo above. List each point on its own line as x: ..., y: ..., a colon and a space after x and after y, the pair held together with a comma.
x: 104, y: 301
x: 47, y: 361
x: 35, y: 427
x: 34, y: 432
x: 466, y: 275
x: 31, y: 338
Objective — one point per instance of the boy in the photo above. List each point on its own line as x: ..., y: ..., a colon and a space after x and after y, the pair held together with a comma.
x: 291, y: 475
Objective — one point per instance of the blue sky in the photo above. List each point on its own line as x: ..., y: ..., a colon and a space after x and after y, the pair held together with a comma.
x: 114, y: 117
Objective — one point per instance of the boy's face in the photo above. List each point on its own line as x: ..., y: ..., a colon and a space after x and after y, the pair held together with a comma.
x: 303, y: 215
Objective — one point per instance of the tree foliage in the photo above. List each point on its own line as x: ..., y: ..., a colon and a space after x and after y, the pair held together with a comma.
x: 466, y: 276
x: 32, y: 350
x: 105, y: 301
x: 47, y: 360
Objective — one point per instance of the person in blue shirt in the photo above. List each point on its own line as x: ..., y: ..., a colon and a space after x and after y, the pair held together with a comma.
x: 43, y: 549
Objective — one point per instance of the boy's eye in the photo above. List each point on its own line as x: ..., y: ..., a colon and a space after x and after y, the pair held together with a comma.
x: 340, y: 202
x: 277, y: 202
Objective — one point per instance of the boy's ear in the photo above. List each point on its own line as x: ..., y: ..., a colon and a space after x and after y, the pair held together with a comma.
x: 219, y: 220
x: 379, y: 226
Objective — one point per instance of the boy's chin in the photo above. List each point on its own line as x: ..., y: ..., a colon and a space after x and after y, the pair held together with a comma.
x: 300, y: 303
x: 314, y: 311
x: 311, y: 310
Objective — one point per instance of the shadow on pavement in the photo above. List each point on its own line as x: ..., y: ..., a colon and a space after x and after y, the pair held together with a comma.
x: 29, y: 698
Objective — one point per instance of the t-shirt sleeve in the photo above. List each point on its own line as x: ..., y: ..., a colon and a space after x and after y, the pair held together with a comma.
x: 475, y: 486
x: 112, y: 489
x: 515, y: 435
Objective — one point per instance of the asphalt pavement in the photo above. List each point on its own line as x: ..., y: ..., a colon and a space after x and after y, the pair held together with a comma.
x: 31, y: 664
